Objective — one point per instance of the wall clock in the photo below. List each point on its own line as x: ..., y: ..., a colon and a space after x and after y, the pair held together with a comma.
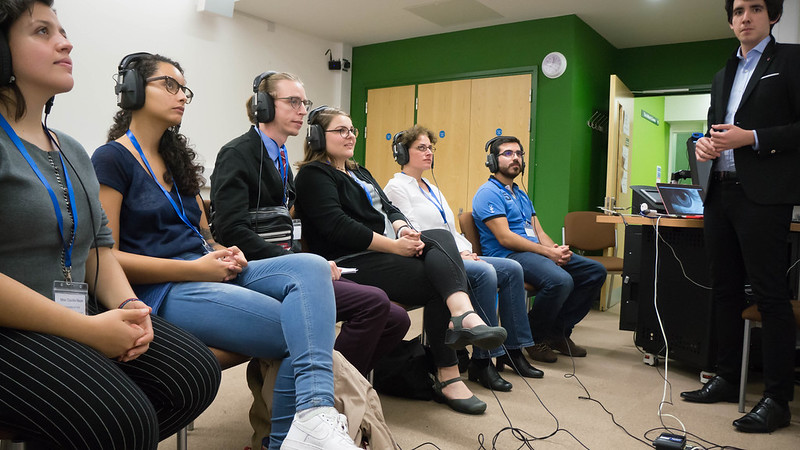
x: 554, y: 65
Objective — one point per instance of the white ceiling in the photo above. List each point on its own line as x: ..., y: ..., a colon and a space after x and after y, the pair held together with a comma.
x: 624, y: 23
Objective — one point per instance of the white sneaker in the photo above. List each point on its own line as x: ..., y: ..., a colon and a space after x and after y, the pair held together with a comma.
x: 320, y: 428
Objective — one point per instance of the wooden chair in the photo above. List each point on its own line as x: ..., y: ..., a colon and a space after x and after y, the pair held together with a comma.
x: 581, y: 231
x: 752, y: 319
x: 470, y: 231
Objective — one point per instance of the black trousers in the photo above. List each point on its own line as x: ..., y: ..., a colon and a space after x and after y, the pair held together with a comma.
x: 419, y: 281
x: 749, y: 241
x: 61, y: 394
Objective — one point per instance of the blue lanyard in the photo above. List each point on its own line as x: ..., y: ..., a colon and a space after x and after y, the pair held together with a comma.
x: 363, y: 185
x: 514, y: 197
x: 282, y: 163
x: 180, y: 212
x: 436, y: 202
x: 59, y: 218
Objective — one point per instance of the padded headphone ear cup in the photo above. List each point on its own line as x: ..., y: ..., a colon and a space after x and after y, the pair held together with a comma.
x: 491, y: 163
x: 5, y: 61
x: 316, y: 138
x: 400, y: 153
x: 264, y: 107
x: 130, y: 89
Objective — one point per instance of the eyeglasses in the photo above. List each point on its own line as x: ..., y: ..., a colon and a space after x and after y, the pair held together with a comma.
x: 424, y: 148
x: 172, y: 86
x: 296, y: 102
x: 509, y: 153
x: 344, y: 131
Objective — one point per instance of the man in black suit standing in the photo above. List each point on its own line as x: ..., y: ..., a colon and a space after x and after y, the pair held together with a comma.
x: 754, y: 142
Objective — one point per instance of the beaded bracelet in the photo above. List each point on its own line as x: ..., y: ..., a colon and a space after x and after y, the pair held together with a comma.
x: 132, y: 299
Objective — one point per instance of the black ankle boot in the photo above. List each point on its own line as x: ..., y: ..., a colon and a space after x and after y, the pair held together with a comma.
x: 484, y: 373
x: 519, y: 364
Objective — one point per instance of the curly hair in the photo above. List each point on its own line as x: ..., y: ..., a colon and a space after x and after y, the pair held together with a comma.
x: 407, y: 137
x: 774, y: 10
x: 173, y: 146
x: 323, y: 118
x: 10, y: 95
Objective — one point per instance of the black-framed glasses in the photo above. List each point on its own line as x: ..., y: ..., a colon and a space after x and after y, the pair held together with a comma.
x: 344, y: 131
x: 172, y: 86
x: 422, y: 148
x: 297, y: 101
x: 510, y: 153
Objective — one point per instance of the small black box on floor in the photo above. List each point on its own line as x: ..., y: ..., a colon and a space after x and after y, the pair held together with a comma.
x: 669, y: 441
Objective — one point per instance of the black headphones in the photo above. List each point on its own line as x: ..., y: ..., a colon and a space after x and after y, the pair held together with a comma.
x: 316, y: 135
x: 263, y: 103
x: 491, y: 154
x: 399, y: 150
x: 130, y: 83
x: 5, y: 61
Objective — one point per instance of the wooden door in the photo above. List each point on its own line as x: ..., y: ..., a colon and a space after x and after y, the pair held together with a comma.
x: 618, y: 193
x: 389, y: 110
x: 499, y: 105
x: 444, y: 108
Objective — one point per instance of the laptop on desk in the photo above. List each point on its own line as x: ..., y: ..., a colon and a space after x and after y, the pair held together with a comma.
x: 682, y: 200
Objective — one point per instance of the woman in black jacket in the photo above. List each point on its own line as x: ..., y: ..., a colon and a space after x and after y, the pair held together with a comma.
x: 347, y: 218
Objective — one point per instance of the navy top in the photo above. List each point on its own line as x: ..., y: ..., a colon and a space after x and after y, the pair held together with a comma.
x: 148, y: 225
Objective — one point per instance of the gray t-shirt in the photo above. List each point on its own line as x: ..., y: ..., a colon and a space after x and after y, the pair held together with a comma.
x: 31, y: 247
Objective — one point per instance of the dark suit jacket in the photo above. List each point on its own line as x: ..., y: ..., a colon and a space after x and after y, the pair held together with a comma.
x: 771, y: 106
x: 235, y: 190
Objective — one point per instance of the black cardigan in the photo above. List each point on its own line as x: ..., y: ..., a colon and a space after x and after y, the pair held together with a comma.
x: 338, y: 218
x: 234, y: 191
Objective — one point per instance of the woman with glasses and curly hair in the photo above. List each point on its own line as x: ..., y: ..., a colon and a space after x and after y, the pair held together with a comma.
x: 281, y: 308
x: 83, y: 365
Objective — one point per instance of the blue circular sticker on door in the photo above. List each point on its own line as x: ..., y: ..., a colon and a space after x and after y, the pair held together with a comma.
x: 498, y: 132
x: 441, y: 134
x: 388, y: 136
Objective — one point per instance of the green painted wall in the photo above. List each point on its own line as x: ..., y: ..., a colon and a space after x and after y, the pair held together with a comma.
x: 569, y: 158
x: 560, y: 137
x: 650, y: 143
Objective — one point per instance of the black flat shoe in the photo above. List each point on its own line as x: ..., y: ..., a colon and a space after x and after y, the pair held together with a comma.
x: 716, y: 390
x: 767, y: 416
x: 488, y: 378
x: 482, y: 336
x: 520, y: 365
x: 471, y: 405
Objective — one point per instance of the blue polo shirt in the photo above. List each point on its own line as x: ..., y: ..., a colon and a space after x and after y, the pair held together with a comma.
x: 495, y: 200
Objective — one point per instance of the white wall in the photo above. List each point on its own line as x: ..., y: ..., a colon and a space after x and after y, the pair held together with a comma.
x: 220, y: 56
x: 788, y: 29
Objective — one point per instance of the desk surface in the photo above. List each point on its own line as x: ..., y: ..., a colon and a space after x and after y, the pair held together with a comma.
x: 665, y: 221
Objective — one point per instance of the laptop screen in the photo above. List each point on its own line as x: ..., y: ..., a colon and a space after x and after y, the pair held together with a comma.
x: 681, y: 199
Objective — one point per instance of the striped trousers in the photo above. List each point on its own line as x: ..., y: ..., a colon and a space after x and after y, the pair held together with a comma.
x: 60, y: 394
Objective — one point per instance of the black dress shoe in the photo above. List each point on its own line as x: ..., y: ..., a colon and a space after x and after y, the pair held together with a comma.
x: 488, y: 377
x: 716, y: 390
x: 767, y: 416
x: 519, y: 364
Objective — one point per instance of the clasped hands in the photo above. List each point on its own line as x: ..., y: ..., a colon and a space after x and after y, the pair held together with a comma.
x: 409, y: 242
x: 221, y: 265
x: 723, y: 137
x: 560, y: 254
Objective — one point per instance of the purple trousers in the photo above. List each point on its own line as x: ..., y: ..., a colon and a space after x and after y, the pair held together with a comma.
x: 372, y: 327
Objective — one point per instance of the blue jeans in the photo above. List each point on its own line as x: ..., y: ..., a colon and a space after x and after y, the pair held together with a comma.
x: 565, y: 293
x: 500, y: 278
x: 280, y: 307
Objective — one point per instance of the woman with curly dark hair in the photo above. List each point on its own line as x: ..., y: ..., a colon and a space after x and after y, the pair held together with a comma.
x: 280, y: 308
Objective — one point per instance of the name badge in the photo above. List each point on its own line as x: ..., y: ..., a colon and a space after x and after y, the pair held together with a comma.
x: 71, y: 295
x: 529, y: 231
